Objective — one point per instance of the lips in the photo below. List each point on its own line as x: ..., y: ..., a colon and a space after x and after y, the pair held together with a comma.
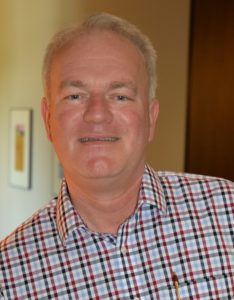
x: 98, y: 139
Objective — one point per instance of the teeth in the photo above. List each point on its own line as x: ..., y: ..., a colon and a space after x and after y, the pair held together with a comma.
x: 104, y: 139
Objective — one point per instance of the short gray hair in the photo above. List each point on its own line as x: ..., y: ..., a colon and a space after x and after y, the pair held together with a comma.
x: 104, y: 21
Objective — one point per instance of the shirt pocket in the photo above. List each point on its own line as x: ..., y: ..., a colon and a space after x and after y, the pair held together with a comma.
x: 220, y: 286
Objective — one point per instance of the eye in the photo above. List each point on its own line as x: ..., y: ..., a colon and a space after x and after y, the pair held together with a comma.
x: 74, y: 97
x: 122, y: 98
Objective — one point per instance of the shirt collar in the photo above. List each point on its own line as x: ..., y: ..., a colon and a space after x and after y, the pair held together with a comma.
x: 151, y: 190
x: 68, y: 220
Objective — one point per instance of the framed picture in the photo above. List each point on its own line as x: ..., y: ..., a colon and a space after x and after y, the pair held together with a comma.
x: 20, y: 147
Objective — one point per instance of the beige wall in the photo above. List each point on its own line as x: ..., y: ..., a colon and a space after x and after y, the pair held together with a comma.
x: 25, y: 28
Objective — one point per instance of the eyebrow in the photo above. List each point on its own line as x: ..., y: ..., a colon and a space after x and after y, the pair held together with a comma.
x: 112, y: 86
x: 72, y: 83
x: 123, y: 84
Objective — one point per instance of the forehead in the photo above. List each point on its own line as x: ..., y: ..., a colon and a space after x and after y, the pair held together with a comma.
x: 99, y: 56
x: 100, y: 44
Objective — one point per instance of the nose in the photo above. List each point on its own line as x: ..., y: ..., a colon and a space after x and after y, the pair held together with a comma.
x: 97, y: 110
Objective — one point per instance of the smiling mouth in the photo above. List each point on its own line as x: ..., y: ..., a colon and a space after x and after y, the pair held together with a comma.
x: 98, y: 139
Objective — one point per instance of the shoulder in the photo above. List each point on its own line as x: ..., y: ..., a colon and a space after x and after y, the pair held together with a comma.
x: 41, y: 222
x: 180, y: 187
x: 197, y: 191
x: 195, y: 182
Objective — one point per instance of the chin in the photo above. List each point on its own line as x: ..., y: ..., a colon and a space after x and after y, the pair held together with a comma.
x: 100, y: 168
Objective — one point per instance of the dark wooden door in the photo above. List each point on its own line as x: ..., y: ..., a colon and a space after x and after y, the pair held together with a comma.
x: 210, y: 135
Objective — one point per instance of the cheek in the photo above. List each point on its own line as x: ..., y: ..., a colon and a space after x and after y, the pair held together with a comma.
x: 64, y: 121
x: 136, y: 125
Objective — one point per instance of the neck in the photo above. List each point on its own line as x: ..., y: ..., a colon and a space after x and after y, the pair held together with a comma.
x: 102, y: 207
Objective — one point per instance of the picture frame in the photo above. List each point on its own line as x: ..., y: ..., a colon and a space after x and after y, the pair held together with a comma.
x: 20, y: 147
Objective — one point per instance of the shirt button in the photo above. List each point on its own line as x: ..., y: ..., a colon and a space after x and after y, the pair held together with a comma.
x: 124, y: 251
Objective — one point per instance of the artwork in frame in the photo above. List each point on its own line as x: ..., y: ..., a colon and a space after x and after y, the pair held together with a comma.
x: 20, y: 147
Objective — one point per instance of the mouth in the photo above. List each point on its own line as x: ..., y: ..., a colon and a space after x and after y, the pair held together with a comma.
x: 98, y: 139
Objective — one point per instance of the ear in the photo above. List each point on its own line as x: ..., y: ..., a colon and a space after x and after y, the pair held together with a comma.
x: 153, y: 116
x: 45, y: 111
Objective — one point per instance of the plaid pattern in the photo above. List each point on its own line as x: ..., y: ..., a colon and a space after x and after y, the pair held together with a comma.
x: 181, y: 233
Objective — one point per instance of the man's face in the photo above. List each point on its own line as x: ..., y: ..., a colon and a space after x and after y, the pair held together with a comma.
x: 98, y: 116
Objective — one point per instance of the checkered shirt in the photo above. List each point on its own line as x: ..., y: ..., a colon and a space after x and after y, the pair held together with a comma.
x: 178, y: 244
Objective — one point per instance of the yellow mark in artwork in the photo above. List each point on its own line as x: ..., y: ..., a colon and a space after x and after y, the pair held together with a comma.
x: 19, y: 147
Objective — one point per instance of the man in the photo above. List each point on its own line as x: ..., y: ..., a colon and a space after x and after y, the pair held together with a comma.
x: 118, y: 230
